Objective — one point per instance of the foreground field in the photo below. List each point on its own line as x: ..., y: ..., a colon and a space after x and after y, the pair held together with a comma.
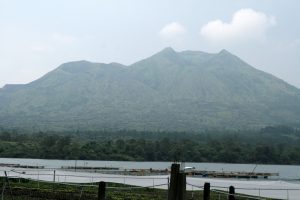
x: 21, y: 189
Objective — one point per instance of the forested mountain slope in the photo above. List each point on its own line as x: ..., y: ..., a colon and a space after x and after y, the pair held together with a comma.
x: 170, y: 90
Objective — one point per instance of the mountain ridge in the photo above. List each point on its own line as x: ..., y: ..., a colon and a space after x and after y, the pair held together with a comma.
x: 182, y: 91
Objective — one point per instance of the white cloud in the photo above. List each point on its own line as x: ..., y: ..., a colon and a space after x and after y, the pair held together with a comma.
x: 172, y: 30
x: 246, y: 24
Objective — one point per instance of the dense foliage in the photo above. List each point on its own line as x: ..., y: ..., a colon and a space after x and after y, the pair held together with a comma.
x: 278, y: 145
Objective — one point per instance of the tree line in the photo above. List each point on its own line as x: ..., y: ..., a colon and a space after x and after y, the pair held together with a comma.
x: 269, y: 145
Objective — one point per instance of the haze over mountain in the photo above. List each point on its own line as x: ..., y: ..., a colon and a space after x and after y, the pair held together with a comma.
x: 182, y: 91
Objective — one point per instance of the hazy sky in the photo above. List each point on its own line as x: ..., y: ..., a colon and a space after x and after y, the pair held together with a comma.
x: 37, y: 36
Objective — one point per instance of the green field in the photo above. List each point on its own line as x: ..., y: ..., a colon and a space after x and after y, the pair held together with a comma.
x: 21, y: 189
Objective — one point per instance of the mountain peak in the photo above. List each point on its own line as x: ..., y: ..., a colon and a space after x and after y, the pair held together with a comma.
x: 74, y: 63
x: 76, y: 66
x: 167, y: 51
x: 224, y: 52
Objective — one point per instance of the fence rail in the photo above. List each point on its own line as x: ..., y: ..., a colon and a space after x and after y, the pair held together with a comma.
x: 174, y: 188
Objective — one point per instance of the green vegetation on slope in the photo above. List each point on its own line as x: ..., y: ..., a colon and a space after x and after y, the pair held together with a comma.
x: 173, y: 91
x: 276, y: 145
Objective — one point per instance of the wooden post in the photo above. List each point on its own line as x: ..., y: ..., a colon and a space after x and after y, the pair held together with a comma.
x: 181, y: 186
x: 53, y: 180
x: 101, y: 190
x: 54, y: 176
x: 206, y: 191
x: 7, y: 181
x: 231, y: 193
x: 177, y: 189
x: 172, y: 194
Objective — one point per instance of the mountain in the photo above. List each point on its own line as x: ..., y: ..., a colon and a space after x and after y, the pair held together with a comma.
x: 181, y: 91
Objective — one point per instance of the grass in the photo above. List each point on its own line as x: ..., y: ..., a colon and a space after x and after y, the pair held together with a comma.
x: 32, y: 190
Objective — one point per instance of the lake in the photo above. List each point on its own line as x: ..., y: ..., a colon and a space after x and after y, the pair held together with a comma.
x: 285, y: 171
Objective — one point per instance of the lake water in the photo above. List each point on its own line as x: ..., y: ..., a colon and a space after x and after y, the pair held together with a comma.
x: 285, y: 171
